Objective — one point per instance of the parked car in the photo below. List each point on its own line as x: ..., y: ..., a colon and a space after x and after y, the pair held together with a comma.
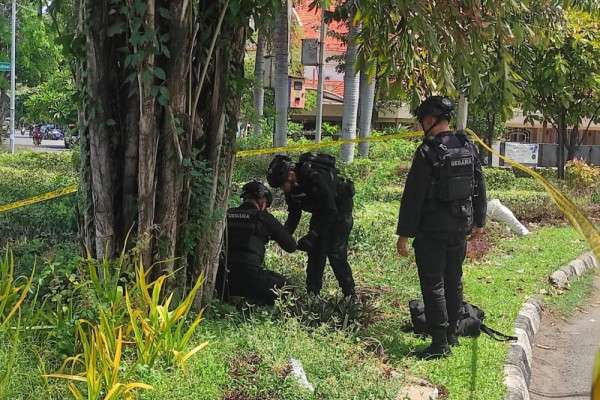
x: 54, y: 134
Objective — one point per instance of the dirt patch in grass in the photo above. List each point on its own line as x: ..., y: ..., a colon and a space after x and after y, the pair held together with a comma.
x: 244, y: 365
x: 478, y: 247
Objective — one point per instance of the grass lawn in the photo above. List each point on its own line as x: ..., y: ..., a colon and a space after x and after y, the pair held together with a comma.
x: 249, y: 348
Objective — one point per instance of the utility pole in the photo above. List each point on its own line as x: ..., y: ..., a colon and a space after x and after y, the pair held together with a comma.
x: 321, y: 83
x: 12, y: 76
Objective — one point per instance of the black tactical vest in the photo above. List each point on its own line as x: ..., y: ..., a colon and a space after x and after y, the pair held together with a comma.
x: 246, y: 237
x: 324, y: 165
x: 452, y: 186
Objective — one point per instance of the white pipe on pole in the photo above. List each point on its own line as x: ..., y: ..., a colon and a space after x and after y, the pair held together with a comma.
x: 319, y: 122
x: 12, y: 75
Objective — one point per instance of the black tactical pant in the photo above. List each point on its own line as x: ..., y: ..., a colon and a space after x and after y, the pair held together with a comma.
x: 336, y: 252
x: 257, y: 284
x: 439, y: 261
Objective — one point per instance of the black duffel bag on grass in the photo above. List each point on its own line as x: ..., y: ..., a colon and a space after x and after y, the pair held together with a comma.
x: 470, y: 322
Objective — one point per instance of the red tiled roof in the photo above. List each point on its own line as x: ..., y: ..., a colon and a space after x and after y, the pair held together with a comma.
x: 336, y: 87
x: 311, y: 23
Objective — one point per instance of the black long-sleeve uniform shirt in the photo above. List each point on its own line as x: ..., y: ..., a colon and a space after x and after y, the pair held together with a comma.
x: 316, y: 192
x: 418, y: 213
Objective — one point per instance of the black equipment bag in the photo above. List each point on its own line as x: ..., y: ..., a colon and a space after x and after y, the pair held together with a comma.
x: 319, y: 161
x: 470, y: 322
x: 327, y: 163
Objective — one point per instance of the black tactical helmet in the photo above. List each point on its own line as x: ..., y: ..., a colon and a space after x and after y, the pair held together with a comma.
x: 255, y: 190
x: 436, y: 106
x: 278, y: 170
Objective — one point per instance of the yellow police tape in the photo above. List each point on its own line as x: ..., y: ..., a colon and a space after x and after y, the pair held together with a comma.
x: 240, y: 154
x: 38, y: 199
x: 571, y: 211
x: 577, y: 218
x: 321, y: 145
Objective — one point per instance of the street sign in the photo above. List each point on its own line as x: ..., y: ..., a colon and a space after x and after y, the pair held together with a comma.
x: 4, y: 66
x: 310, y: 52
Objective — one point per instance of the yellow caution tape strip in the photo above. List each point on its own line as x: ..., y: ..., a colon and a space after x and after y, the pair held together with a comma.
x: 321, y: 145
x: 244, y: 153
x: 577, y: 218
x: 38, y: 199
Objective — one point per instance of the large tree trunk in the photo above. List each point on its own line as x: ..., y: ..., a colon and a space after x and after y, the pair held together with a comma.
x: 489, y: 136
x: 99, y: 56
x: 367, y: 99
x: 161, y: 126
x: 351, y: 94
x: 259, y: 80
x: 148, y: 141
x: 573, y: 143
x: 281, y: 41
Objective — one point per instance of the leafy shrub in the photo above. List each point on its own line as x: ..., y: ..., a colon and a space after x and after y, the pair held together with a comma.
x: 530, y: 206
x: 295, y: 129
x: 328, y: 129
x: 376, y: 180
x: 25, y: 175
x: 582, y: 177
x: 595, y: 197
x: 337, y: 313
x: 505, y: 179
x: 59, y: 163
x: 398, y: 149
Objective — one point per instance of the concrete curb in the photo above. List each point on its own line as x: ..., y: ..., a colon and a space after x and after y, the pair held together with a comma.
x: 518, y: 366
x: 560, y: 279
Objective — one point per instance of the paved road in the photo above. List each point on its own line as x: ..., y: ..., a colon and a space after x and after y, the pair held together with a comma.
x: 564, y: 353
x: 26, y: 142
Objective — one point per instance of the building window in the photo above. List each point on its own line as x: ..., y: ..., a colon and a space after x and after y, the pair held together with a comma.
x: 519, y: 136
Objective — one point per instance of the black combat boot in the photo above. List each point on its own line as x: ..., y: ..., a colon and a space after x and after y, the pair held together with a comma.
x: 439, y: 346
x: 452, y: 336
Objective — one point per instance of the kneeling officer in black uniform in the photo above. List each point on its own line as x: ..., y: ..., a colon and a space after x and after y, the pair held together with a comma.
x: 249, y: 228
x: 444, y: 200
x: 313, y: 185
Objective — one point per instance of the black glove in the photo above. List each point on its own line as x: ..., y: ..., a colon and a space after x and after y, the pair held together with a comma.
x: 308, y: 242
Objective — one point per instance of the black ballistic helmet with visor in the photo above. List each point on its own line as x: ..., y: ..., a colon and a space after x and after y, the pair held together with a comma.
x: 439, y: 107
x: 255, y: 190
x: 277, y: 174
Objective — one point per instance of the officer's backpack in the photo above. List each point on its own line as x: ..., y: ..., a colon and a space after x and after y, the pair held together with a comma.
x: 470, y: 322
x: 326, y: 163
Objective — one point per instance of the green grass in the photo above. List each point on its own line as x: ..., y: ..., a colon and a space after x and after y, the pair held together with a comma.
x: 249, y: 350
x: 565, y: 303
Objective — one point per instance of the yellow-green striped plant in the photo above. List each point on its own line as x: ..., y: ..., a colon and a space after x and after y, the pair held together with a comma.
x: 158, y: 330
x: 12, y: 293
x: 101, y: 365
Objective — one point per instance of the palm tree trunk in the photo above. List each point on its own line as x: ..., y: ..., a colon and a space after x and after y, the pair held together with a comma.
x: 367, y: 99
x: 351, y: 95
x: 282, y: 95
x: 259, y: 78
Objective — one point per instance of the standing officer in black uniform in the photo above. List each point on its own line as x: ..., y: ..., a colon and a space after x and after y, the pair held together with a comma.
x: 313, y: 185
x: 444, y: 200
x: 249, y: 227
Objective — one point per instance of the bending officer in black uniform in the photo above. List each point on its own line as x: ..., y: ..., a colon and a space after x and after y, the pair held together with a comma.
x: 313, y: 185
x: 249, y: 228
x: 444, y: 200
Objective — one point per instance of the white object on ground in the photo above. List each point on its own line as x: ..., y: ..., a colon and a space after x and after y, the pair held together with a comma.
x: 300, y: 375
x: 499, y: 212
